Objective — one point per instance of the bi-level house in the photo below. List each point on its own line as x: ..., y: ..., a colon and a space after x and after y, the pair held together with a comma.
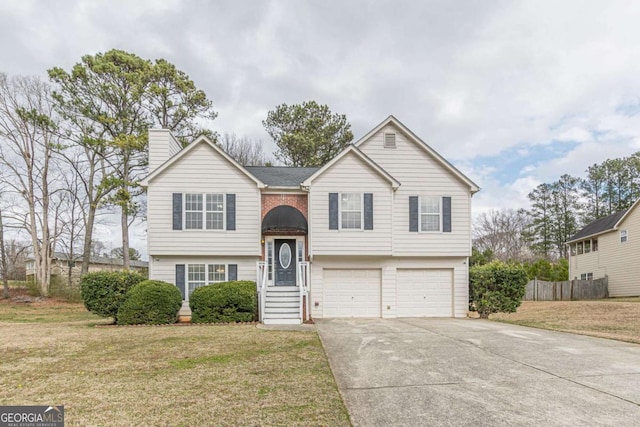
x: 382, y: 230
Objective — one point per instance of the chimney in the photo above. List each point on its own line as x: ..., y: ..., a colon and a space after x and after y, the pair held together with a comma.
x: 162, y: 146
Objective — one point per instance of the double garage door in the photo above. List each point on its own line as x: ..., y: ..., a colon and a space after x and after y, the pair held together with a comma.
x: 358, y: 293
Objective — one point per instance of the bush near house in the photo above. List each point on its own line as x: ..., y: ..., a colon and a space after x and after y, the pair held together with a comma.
x: 496, y: 287
x: 151, y: 302
x: 224, y: 302
x: 104, y: 291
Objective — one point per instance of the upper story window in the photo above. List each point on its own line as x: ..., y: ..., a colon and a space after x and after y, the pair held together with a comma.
x: 587, y: 246
x: 199, y: 215
x: 573, y: 249
x: 580, y: 248
x: 623, y: 236
x: 389, y: 140
x: 594, y: 245
x: 430, y: 214
x: 351, y: 211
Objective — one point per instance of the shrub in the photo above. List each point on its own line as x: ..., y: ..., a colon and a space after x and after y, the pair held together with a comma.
x: 224, y: 302
x: 104, y: 291
x: 496, y: 287
x: 151, y: 302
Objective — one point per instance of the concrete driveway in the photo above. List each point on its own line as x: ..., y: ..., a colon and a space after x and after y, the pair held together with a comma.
x: 451, y: 372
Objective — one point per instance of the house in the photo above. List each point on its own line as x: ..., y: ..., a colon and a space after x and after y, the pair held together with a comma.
x: 61, y: 263
x: 609, y: 246
x: 381, y: 230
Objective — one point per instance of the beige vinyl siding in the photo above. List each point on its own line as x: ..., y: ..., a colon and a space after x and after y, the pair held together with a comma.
x: 389, y: 267
x: 422, y: 175
x: 203, y: 170
x: 162, y: 146
x: 350, y: 175
x: 587, y: 263
x: 164, y: 267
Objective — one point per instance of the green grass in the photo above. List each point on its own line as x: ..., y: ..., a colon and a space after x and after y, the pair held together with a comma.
x: 171, y: 375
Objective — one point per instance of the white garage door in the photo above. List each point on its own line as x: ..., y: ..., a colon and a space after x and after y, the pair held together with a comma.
x: 424, y: 293
x: 351, y: 293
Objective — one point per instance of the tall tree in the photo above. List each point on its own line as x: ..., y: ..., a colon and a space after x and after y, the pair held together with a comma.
x: 541, y: 219
x: 134, y: 254
x: 28, y: 130
x: 243, y: 150
x: 592, y: 191
x: 564, y: 210
x: 4, y: 265
x: 503, y: 233
x: 112, y: 99
x: 307, y: 134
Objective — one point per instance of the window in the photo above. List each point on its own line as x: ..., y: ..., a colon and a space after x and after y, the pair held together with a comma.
x: 589, y: 276
x: 587, y: 246
x: 623, y: 236
x: 389, y: 140
x: 270, y: 260
x: 429, y: 213
x: 193, y: 211
x: 351, y: 211
x: 579, y: 245
x: 573, y: 249
x: 215, y: 211
x: 300, y: 251
x: 208, y: 215
x: 217, y: 273
x: 196, y: 276
x: 583, y: 276
x: 205, y: 274
x: 594, y: 245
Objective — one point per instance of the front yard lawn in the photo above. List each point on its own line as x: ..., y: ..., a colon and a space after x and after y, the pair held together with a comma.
x: 178, y: 375
x: 615, y: 318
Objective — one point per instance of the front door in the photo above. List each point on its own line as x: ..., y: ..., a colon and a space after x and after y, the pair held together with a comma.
x: 285, y: 262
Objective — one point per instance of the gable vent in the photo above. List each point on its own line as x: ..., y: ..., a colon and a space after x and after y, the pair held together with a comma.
x: 389, y: 140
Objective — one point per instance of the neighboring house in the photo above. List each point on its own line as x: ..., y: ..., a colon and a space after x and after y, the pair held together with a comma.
x: 609, y: 246
x: 381, y: 230
x: 61, y: 263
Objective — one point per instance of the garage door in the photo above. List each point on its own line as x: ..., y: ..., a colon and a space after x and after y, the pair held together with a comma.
x: 351, y: 293
x: 424, y: 293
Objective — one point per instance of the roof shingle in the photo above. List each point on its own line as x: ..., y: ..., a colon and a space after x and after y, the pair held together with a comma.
x: 599, y: 226
x: 281, y: 176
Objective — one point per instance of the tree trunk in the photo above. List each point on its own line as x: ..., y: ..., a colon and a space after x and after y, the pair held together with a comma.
x: 88, y: 237
x: 124, y: 219
x: 3, y: 261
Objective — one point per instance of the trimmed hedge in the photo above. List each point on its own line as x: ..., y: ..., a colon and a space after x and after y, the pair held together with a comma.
x: 496, y: 287
x: 151, y: 302
x: 224, y: 303
x: 104, y: 291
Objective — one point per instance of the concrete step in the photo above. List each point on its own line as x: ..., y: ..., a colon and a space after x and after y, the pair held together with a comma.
x: 281, y: 315
x: 281, y: 321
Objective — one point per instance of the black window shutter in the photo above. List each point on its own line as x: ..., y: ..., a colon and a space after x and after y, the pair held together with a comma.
x: 368, y: 211
x: 231, y: 211
x: 233, y: 272
x: 180, y: 276
x: 446, y: 214
x: 333, y: 211
x: 414, y: 214
x: 177, y: 211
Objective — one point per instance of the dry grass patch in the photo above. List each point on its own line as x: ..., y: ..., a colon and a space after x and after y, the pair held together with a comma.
x: 179, y: 376
x: 615, y: 318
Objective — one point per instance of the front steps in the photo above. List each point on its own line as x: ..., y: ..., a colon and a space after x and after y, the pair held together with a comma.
x: 282, y: 306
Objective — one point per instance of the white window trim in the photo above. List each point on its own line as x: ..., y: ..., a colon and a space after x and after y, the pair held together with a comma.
x: 624, y: 234
x: 361, y: 211
x: 272, y: 240
x: 206, y: 275
x: 440, y: 225
x: 204, y: 213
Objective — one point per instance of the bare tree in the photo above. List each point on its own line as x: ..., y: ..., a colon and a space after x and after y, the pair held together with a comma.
x: 245, y: 151
x: 73, y: 223
x: 3, y: 261
x: 28, y: 142
x: 504, y: 232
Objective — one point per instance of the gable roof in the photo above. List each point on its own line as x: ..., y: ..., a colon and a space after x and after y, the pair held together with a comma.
x: 599, y: 226
x: 413, y: 137
x: 201, y: 140
x: 358, y: 153
x: 281, y: 176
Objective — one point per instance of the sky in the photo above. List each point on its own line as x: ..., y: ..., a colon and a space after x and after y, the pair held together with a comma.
x: 513, y: 93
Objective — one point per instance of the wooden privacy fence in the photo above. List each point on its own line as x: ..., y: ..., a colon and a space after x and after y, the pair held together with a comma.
x: 539, y: 290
